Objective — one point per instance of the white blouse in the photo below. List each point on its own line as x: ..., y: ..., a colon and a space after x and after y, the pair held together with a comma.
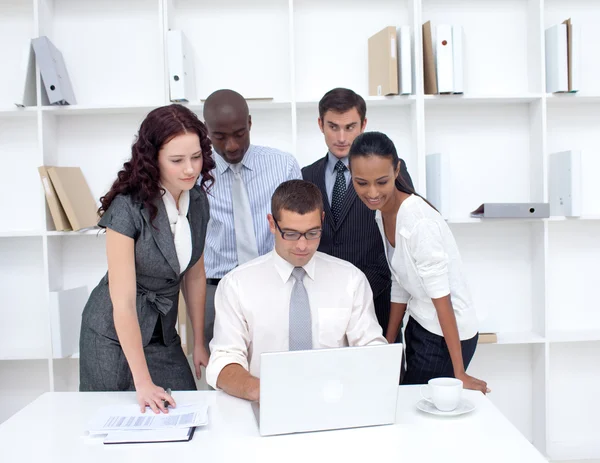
x: 180, y: 227
x: 425, y: 265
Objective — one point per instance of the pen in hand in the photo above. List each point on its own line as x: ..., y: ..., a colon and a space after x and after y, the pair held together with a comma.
x: 166, y: 402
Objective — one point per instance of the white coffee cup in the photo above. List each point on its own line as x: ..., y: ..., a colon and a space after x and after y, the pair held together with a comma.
x: 444, y: 393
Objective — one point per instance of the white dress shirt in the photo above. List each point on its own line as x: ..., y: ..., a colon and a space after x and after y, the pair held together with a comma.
x: 426, y: 265
x: 252, y: 310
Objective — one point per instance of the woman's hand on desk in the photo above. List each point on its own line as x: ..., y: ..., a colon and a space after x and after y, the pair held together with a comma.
x: 149, y: 394
x: 200, y: 359
x: 470, y: 382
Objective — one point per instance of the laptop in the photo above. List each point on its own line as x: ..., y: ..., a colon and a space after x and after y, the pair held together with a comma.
x: 323, y: 389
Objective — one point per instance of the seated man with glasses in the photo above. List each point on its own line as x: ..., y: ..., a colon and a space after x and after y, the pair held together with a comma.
x: 293, y: 298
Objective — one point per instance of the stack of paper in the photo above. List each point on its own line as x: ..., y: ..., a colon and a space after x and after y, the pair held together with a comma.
x: 126, y: 424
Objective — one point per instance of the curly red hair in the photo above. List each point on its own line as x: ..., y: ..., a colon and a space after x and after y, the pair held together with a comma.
x: 140, y: 176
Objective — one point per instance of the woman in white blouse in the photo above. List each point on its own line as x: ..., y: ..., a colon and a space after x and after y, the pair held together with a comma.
x: 427, y: 275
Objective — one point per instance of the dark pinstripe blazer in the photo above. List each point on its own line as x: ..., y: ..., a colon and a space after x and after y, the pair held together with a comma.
x: 355, y: 238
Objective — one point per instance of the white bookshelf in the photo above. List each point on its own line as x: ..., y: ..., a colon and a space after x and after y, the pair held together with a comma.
x: 532, y: 280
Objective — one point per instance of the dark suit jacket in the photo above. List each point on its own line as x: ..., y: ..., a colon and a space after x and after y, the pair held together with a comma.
x: 355, y: 238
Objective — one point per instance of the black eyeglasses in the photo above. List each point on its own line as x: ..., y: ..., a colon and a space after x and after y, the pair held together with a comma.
x: 295, y: 235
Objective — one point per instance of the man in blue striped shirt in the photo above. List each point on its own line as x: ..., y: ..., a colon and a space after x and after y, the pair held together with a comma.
x: 261, y: 171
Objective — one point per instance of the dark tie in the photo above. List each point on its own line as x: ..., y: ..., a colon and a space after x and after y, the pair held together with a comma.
x: 339, y: 190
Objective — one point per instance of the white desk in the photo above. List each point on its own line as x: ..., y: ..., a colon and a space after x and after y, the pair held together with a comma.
x: 484, y: 435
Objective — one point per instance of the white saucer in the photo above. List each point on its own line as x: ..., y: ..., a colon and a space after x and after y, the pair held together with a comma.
x: 464, y: 407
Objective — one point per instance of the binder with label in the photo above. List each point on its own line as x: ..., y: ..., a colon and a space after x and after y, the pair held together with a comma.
x: 57, y: 85
x: 444, y: 62
x: 383, y: 63
x: 564, y: 183
x: 182, y: 82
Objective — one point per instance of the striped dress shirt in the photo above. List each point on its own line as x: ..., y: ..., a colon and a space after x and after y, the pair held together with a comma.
x: 264, y: 169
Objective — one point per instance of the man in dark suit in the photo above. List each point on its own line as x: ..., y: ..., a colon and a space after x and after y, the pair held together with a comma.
x: 349, y: 230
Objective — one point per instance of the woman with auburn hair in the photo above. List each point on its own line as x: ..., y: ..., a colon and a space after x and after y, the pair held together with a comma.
x: 155, y: 216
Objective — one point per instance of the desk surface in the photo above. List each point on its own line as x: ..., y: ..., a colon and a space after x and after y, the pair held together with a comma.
x: 484, y: 435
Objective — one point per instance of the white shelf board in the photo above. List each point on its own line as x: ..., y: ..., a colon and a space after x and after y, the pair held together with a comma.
x: 94, y: 110
x: 573, y: 219
x: 574, y: 335
x: 467, y: 220
x: 87, y: 232
x: 24, y: 353
x: 511, y: 338
x: 252, y: 104
x: 466, y: 99
x: 20, y: 233
x: 372, y: 101
x: 556, y: 99
x: 520, y: 338
x: 18, y: 112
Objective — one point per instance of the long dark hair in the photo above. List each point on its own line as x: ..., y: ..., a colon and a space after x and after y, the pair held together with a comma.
x: 140, y: 176
x: 379, y: 144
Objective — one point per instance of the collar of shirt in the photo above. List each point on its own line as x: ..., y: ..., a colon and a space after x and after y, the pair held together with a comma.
x: 284, y: 268
x: 248, y: 160
x: 332, y: 161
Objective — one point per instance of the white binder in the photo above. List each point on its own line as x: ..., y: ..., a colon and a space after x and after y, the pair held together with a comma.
x: 28, y: 72
x: 564, y: 183
x: 442, y: 49
x: 437, y: 176
x: 57, y: 85
x: 557, y: 70
x: 457, y: 55
x: 403, y: 40
x: 182, y: 81
x: 65, y: 320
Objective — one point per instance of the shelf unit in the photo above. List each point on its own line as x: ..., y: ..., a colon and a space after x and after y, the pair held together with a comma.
x: 531, y: 280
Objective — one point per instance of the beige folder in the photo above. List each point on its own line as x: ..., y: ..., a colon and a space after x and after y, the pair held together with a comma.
x: 487, y: 338
x: 429, y: 70
x: 59, y: 217
x: 75, y: 196
x: 383, y: 63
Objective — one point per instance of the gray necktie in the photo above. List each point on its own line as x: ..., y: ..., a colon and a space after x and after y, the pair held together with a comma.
x: 300, y: 325
x: 245, y: 238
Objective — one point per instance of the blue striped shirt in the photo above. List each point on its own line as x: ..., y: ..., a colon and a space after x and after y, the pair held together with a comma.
x: 264, y: 169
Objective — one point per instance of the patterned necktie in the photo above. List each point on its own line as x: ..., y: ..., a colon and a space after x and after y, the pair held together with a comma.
x: 245, y: 239
x: 300, y: 322
x: 339, y: 190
